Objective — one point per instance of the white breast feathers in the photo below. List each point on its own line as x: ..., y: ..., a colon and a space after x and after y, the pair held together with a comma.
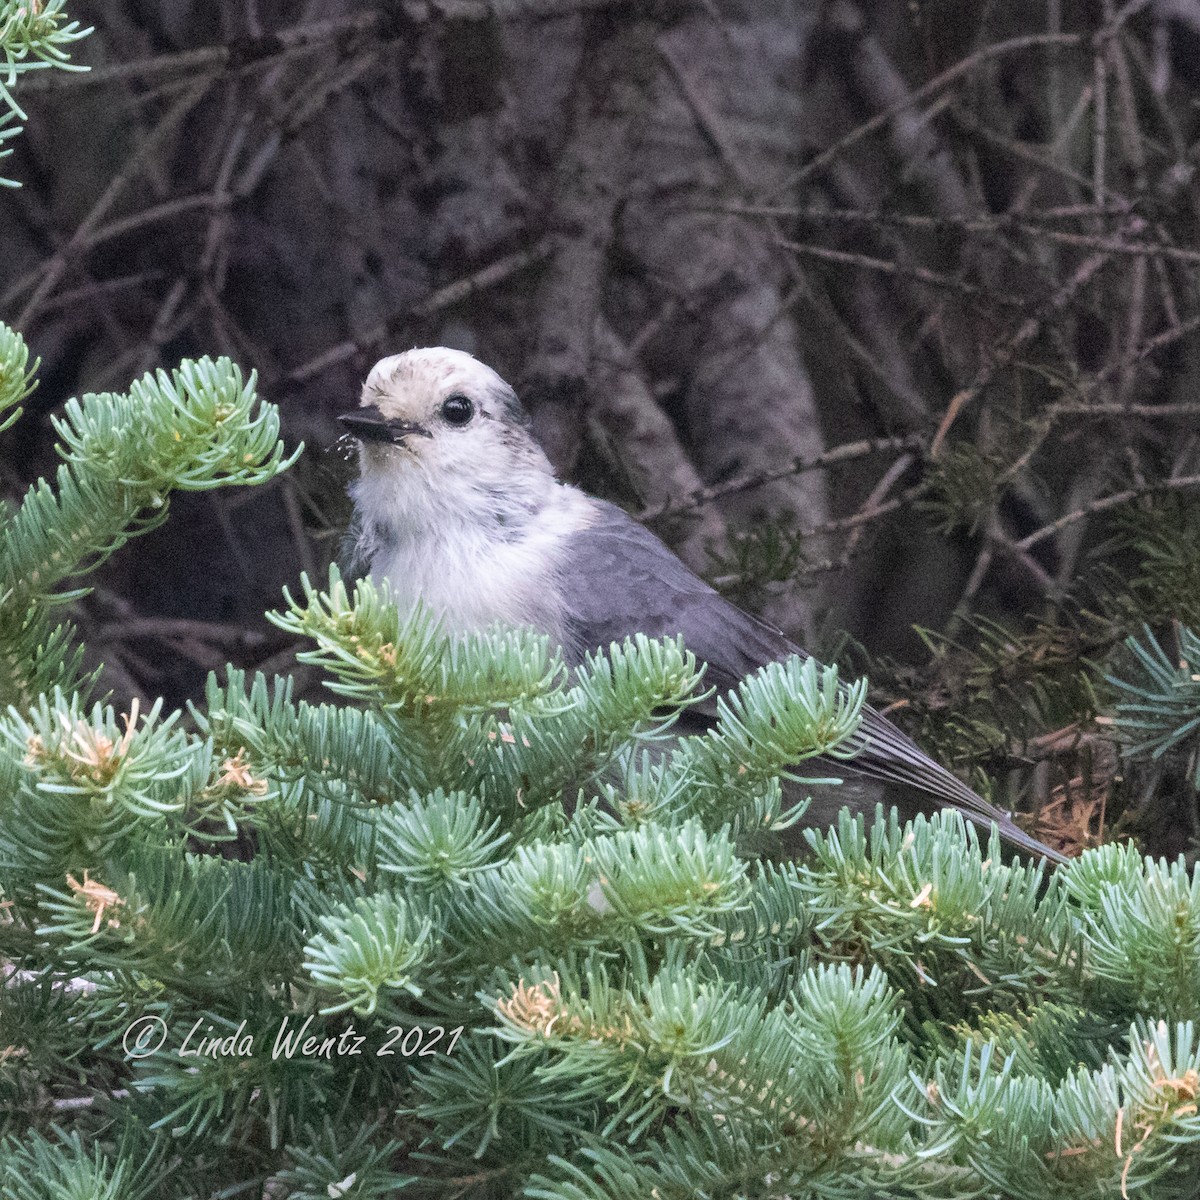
x: 475, y: 555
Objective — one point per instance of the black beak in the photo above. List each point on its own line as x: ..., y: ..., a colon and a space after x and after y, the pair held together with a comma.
x: 368, y: 424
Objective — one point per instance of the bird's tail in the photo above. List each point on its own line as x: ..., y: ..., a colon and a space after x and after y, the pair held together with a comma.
x: 888, y: 754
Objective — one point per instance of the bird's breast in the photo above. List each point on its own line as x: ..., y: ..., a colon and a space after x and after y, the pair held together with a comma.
x: 474, y: 573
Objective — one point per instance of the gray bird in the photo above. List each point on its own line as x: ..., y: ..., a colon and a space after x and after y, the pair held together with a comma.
x: 456, y: 505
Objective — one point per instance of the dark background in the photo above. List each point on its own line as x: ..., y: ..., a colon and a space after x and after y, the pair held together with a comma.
x: 945, y: 251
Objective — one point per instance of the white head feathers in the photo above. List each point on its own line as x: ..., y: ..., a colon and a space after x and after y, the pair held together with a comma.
x: 457, y: 505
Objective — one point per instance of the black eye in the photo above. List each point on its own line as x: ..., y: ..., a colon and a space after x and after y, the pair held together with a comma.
x: 457, y: 410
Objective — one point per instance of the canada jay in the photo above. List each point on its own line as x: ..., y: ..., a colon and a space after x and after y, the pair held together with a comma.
x: 456, y: 505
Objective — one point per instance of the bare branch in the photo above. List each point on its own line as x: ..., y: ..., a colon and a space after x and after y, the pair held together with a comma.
x: 49, y: 273
x: 454, y: 293
x: 923, y: 93
x: 921, y: 274
x: 1007, y: 352
x: 839, y: 454
x: 1105, y: 503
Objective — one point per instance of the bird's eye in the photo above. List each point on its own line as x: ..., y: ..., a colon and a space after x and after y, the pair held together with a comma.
x: 457, y: 410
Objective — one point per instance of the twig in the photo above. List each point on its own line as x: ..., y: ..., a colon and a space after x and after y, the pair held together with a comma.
x: 89, y: 291
x: 1054, y: 89
x: 1133, y: 141
x: 983, y: 562
x: 1153, y: 73
x: 1001, y: 223
x: 654, y: 326
x: 304, y: 551
x: 314, y: 99
x: 923, y: 93
x: 866, y: 515
x: 1166, y: 338
x: 225, y: 326
x: 255, y: 52
x: 844, y: 453
x: 73, y: 1103
x: 1100, y: 123
x: 247, y: 54
x: 886, y: 267
x: 1103, y: 504
x: 876, y: 496
x: 996, y: 538
x: 49, y: 273
x: 992, y: 223
x: 710, y: 125
x: 116, y: 371
x: 882, y: 86
x: 1008, y: 351
x: 139, y: 628
x: 1027, y: 154
x: 1109, y: 246
x: 504, y: 10
x: 1166, y: 292
x: 659, y: 465
x: 453, y: 293
x: 895, y: 381
x: 222, y: 194
x: 146, y: 216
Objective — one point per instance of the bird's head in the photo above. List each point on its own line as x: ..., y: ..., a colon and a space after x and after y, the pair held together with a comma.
x: 438, y: 406
x: 439, y: 424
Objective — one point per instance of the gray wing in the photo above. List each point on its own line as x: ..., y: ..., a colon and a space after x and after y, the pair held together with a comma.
x: 623, y: 580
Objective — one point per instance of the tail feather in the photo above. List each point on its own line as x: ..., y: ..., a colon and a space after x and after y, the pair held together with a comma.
x: 890, y: 755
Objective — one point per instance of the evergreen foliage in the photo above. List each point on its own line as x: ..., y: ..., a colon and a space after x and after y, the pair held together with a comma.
x: 503, y: 931
x: 998, y: 695
x: 499, y: 930
x: 34, y: 34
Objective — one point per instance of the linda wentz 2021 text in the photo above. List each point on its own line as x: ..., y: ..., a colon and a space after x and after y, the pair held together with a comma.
x: 293, y: 1039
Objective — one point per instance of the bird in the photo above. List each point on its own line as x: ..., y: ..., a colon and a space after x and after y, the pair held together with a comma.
x: 458, y: 508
